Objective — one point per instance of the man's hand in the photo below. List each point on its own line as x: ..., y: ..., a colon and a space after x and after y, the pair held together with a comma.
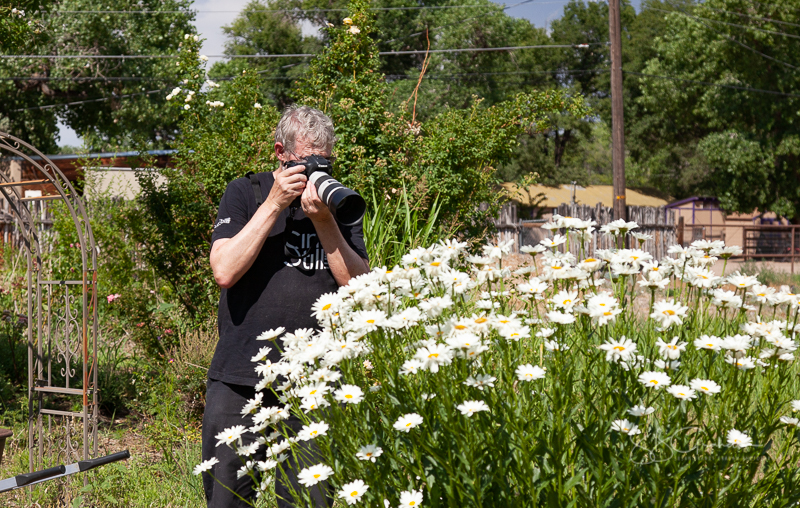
x: 313, y: 206
x: 289, y: 183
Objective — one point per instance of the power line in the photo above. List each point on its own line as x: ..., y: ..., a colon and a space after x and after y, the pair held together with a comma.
x: 408, y: 8
x: 75, y: 103
x: 730, y: 24
x: 742, y: 44
x: 770, y: 20
x: 456, y: 23
x: 772, y: 92
x: 306, y: 55
x: 445, y: 76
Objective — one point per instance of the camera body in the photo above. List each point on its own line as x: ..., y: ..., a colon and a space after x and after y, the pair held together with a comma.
x: 346, y: 205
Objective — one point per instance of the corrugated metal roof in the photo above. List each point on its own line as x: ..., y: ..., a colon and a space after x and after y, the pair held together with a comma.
x: 590, y: 195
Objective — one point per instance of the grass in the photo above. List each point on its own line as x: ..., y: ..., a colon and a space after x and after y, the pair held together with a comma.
x: 770, y: 277
x: 148, y: 479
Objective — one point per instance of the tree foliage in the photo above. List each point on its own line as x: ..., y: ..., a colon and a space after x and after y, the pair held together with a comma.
x: 381, y: 150
x: 738, y: 144
x: 126, y: 112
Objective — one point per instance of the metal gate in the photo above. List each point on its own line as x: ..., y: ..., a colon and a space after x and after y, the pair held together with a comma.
x: 62, y: 318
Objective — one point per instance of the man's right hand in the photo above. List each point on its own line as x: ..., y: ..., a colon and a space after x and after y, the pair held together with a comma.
x: 289, y: 184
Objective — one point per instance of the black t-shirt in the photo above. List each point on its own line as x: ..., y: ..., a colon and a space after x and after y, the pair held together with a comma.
x: 277, y: 290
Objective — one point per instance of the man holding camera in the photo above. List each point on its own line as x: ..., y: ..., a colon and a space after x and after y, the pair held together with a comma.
x: 272, y: 261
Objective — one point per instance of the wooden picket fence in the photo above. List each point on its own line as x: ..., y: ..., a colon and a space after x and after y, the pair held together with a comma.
x: 658, y: 222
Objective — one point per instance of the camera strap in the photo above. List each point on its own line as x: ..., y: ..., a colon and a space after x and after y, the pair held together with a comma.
x: 294, y: 252
x: 256, y: 187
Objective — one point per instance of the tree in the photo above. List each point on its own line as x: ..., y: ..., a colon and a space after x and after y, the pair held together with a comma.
x: 739, y: 144
x: 125, y: 111
x: 256, y: 32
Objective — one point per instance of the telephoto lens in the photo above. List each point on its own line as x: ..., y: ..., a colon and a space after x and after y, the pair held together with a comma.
x: 346, y: 205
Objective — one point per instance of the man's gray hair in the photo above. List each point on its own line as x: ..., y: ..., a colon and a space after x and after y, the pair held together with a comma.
x: 309, y: 124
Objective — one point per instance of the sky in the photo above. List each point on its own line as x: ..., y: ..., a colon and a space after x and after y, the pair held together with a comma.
x: 214, y: 14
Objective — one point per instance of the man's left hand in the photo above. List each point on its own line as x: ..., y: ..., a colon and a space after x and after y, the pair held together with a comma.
x: 313, y: 206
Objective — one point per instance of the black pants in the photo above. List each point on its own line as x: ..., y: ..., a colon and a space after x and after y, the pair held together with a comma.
x: 224, y: 404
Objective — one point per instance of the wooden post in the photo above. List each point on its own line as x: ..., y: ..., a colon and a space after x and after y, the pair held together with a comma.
x: 617, y: 123
x: 680, y: 230
x: 793, y: 230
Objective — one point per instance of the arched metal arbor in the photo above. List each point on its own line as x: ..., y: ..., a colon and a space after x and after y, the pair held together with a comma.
x: 62, y: 318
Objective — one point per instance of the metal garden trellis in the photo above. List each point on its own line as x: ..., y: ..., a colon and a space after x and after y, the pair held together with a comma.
x: 61, y: 320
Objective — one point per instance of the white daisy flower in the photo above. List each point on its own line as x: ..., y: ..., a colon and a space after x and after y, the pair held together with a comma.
x: 655, y: 380
x: 313, y: 475
x: 410, y: 499
x: 481, y: 381
x: 739, y: 439
x: 470, y: 407
x: 641, y: 411
x: 352, y: 492
x: 529, y: 372
x: 705, y: 386
x: 272, y: 334
x: 743, y: 363
x: 349, y: 393
x: 625, y: 427
x: 407, y: 422
x: 709, y: 342
x: 204, y: 466
x: 433, y: 356
x: 231, y: 435
x: 794, y: 422
x: 618, y: 350
x: 558, y: 317
x: 795, y: 405
x: 262, y: 354
x: 369, y: 452
x: 247, y: 450
x: 682, y: 392
x: 670, y: 350
x: 668, y: 313
x: 312, y: 431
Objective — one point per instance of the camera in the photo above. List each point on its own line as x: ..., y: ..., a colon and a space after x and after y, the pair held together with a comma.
x: 346, y: 205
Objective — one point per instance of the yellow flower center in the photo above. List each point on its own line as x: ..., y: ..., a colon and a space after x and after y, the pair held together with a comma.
x: 371, y: 321
x: 669, y: 312
x: 619, y: 348
x: 317, y: 476
x: 313, y: 392
x: 348, y: 396
x: 313, y: 433
x: 460, y: 327
x: 435, y: 263
x: 565, y: 302
x: 326, y: 307
x: 480, y: 320
x: 412, y: 503
x: 589, y: 260
x: 433, y: 355
x: 408, y: 424
x: 704, y: 388
x: 354, y: 493
x: 672, y: 346
x: 607, y: 313
x: 710, y: 344
x: 654, y: 381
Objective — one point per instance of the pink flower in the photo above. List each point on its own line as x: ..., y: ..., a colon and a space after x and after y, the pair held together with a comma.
x: 113, y: 297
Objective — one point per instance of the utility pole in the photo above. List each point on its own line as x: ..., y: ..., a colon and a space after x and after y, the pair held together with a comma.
x: 617, y: 123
